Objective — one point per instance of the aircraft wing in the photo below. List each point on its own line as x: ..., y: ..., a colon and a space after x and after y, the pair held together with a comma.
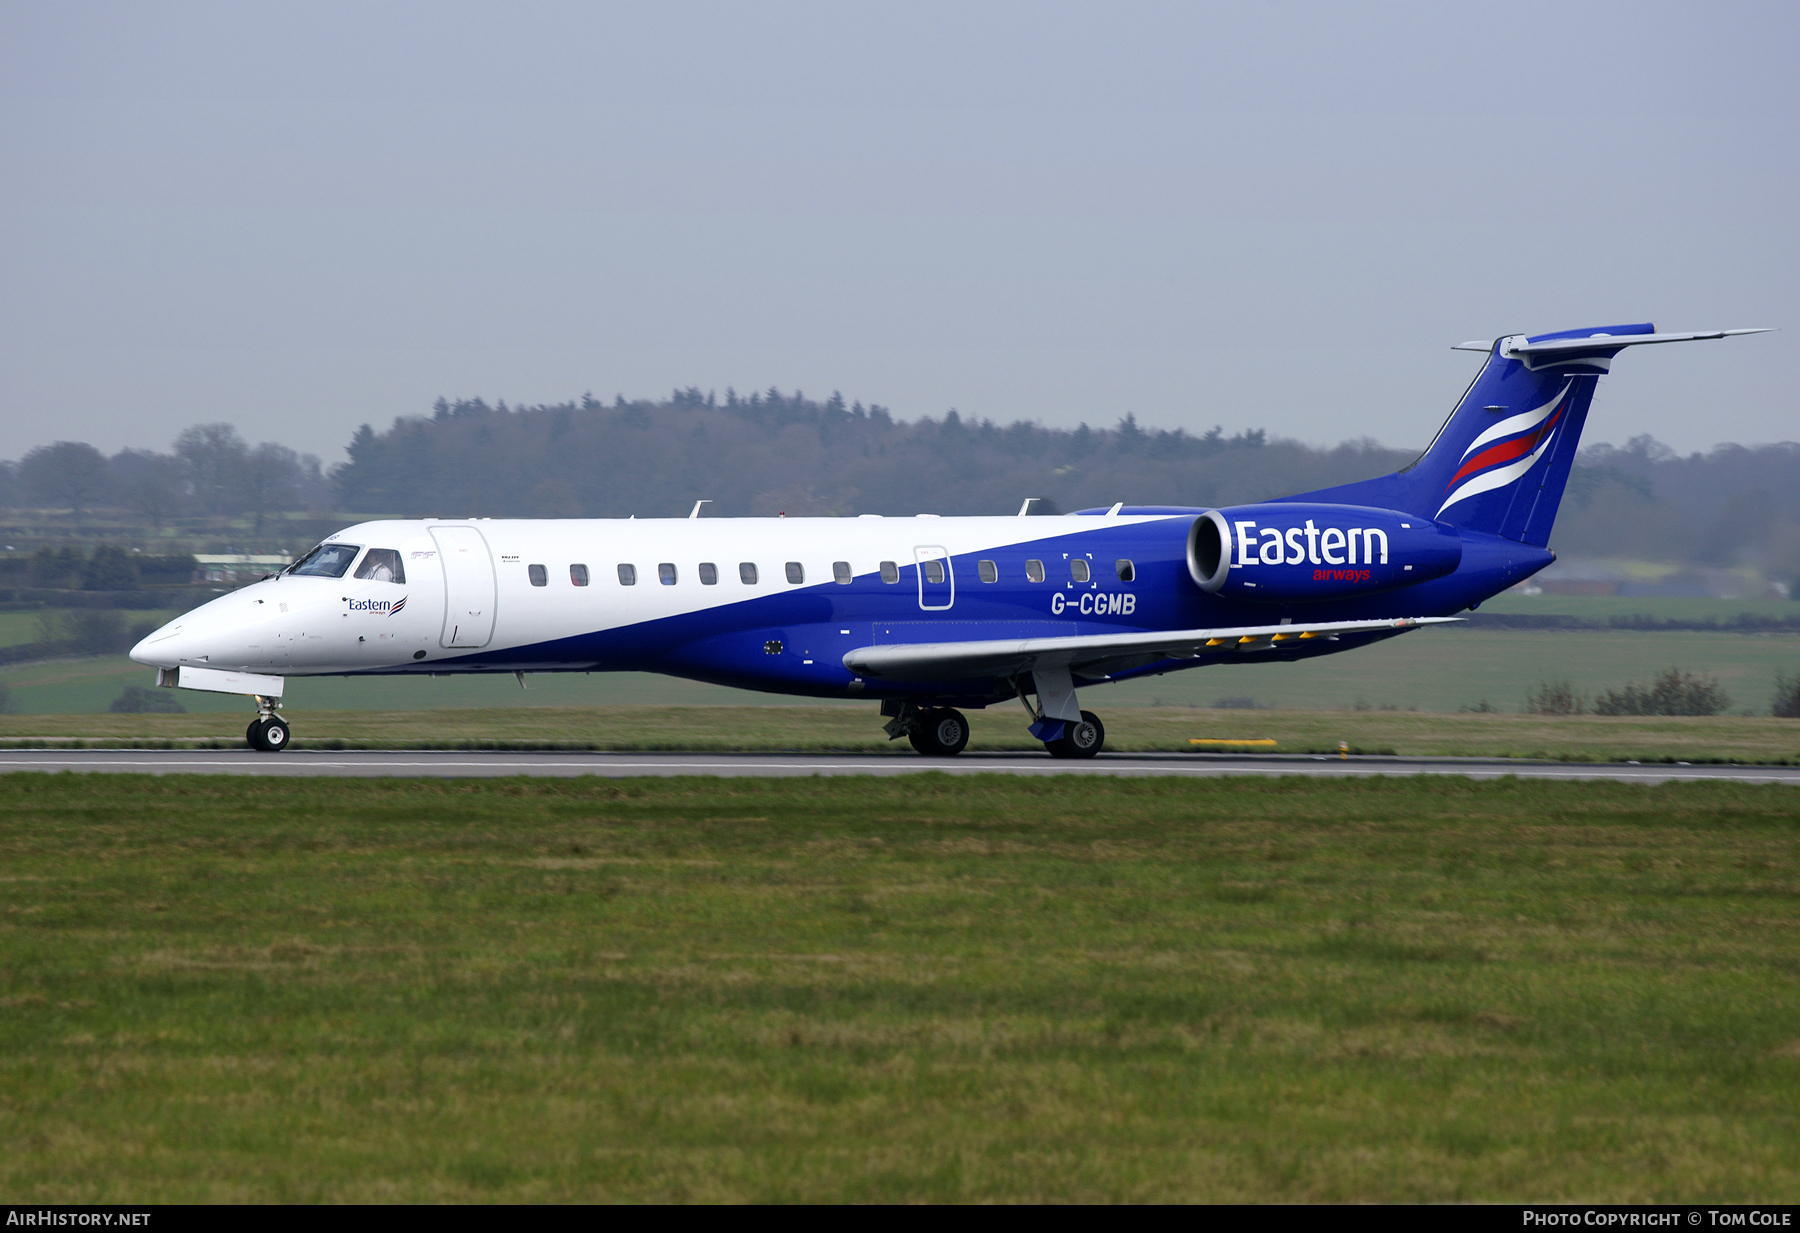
x: 1094, y: 655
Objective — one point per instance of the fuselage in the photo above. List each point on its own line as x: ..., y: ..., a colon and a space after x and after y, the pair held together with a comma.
x: 775, y: 604
x: 930, y: 614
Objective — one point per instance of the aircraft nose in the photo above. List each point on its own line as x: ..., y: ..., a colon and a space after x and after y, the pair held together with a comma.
x: 162, y: 648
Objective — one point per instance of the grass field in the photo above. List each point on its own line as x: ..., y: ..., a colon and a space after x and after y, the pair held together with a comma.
x: 19, y: 627
x: 1585, y: 738
x: 1429, y: 670
x: 28, y: 626
x: 88, y: 686
x: 925, y: 989
x: 1657, y: 607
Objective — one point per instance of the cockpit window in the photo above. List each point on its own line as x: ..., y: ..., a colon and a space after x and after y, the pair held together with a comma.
x: 326, y: 561
x: 382, y: 565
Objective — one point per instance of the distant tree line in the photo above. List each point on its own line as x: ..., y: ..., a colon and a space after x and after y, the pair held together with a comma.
x: 773, y: 453
x: 79, y: 631
x: 770, y: 452
x: 107, y: 568
x: 1735, y: 505
x: 210, y: 470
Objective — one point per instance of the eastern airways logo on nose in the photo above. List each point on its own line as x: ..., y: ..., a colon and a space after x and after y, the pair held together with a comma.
x: 381, y: 607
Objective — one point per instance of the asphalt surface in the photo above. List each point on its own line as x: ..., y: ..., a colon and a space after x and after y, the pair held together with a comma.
x: 455, y: 764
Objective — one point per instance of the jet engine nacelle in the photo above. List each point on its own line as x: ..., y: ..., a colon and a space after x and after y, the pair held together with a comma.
x: 1282, y: 552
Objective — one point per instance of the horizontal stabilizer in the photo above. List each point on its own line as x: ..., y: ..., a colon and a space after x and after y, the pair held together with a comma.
x: 1502, y: 460
x: 1553, y: 346
x: 1096, y: 655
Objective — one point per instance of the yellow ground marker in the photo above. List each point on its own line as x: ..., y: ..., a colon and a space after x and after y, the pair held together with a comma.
x: 1204, y: 741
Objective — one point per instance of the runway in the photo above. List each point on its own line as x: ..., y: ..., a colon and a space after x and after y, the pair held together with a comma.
x: 457, y: 764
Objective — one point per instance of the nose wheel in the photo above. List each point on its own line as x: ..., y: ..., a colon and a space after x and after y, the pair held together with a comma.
x: 268, y: 732
x: 267, y: 735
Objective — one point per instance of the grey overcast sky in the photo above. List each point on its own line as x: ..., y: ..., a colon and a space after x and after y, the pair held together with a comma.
x: 301, y: 217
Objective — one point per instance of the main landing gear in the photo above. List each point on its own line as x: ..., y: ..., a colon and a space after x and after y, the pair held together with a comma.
x: 268, y: 732
x: 943, y: 732
x: 936, y: 732
x: 1081, y: 739
x: 1056, y: 719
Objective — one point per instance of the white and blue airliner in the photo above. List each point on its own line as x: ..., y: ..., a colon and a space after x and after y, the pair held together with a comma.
x: 927, y: 615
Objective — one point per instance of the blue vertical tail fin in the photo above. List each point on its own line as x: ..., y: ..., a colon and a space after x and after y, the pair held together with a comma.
x: 1501, y: 461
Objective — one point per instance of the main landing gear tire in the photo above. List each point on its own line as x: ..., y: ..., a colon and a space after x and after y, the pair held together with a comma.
x: 268, y: 735
x: 942, y: 733
x: 1079, y: 740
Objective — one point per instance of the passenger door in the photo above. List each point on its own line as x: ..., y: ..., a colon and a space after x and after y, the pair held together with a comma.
x: 937, y: 582
x: 469, y: 588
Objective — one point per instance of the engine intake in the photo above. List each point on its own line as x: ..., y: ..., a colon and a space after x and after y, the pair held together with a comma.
x: 1279, y: 552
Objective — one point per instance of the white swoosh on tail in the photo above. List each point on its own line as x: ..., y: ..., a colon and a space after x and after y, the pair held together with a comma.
x: 1490, y: 480
x: 1518, y: 423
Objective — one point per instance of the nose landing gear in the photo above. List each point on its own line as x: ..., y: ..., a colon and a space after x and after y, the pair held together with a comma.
x: 268, y: 732
x: 267, y: 735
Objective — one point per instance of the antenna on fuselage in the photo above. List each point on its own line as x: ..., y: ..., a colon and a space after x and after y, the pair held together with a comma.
x: 696, y: 510
x: 1026, y: 508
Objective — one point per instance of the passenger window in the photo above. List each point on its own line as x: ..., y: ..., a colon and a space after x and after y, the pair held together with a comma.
x: 381, y: 565
x: 1127, y: 571
x: 325, y: 561
x: 796, y: 572
x: 665, y: 573
x: 540, y: 577
x: 578, y: 575
x: 890, y: 572
x: 627, y: 575
x: 840, y: 573
x: 709, y: 574
x: 1034, y: 571
x: 934, y: 570
x: 988, y: 570
x: 1078, y: 569
x: 747, y: 573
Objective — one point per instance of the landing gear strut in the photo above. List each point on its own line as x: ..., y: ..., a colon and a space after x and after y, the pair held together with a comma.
x: 268, y: 732
x: 1062, y: 737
